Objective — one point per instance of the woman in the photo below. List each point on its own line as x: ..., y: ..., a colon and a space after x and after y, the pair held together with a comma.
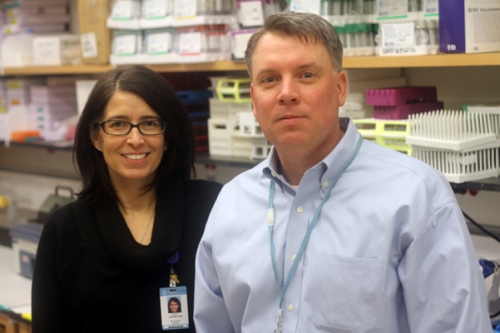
x: 174, y: 305
x: 103, y: 259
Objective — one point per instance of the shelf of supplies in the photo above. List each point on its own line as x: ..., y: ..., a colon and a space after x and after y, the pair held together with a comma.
x: 100, y: 69
x: 439, y: 60
x: 489, y: 184
x: 62, y: 145
x: 240, y: 162
x: 57, y: 70
x: 201, y: 158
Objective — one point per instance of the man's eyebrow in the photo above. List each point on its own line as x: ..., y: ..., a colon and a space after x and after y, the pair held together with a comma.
x: 309, y: 65
x: 264, y: 71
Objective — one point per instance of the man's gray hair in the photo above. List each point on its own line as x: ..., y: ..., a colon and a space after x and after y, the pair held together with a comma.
x: 305, y: 26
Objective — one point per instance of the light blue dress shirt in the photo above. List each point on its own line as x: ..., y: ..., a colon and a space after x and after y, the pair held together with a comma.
x: 390, y: 252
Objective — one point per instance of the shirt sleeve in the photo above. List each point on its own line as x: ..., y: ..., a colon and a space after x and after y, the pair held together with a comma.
x: 210, y: 311
x: 47, y: 306
x: 444, y: 289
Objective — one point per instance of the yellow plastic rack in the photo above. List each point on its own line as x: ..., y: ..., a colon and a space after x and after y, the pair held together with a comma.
x: 234, y: 90
x: 388, y: 133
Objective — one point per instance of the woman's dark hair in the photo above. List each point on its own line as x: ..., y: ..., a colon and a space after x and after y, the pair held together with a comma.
x: 176, y: 301
x: 178, y: 159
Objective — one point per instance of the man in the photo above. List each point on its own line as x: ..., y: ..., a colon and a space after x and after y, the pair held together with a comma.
x: 330, y: 233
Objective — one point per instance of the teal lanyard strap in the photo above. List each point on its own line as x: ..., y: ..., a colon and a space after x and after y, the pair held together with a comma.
x: 270, y: 219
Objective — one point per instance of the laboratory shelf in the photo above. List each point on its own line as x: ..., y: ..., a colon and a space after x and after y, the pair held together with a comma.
x: 439, y: 60
x: 100, y: 69
x: 231, y: 161
x: 201, y: 158
x: 488, y: 184
x: 63, y: 145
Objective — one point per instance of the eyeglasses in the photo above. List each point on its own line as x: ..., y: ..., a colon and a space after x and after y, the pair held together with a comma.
x: 122, y: 127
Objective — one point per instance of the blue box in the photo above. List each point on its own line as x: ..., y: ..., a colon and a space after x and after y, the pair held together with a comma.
x: 25, y: 238
x: 469, y: 26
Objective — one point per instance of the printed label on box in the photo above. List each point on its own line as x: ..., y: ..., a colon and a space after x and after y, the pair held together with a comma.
x: 392, y: 8
x: 89, y: 45
x: 185, y: 9
x: 190, y: 43
x: 125, y: 45
x: 306, y: 6
x: 399, y: 35
x: 122, y: 9
x: 240, y: 41
x: 154, y: 9
x: 159, y: 43
x: 250, y: 13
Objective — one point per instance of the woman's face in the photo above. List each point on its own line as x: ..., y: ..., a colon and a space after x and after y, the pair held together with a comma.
x: 174, y: 307
x: 133, y: 157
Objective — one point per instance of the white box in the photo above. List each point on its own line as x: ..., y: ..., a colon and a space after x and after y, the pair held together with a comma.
x: 220, y: 132
x: 56, y: 50
x: 83, y: 90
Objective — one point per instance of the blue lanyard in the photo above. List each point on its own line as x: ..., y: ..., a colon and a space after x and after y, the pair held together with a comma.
x: 270, y: 219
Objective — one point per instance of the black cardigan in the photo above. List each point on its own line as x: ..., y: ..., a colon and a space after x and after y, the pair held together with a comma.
x: 91, y: 275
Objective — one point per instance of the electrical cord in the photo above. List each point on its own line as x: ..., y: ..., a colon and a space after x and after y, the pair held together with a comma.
x: 481, y: 227
x: 495, y: 314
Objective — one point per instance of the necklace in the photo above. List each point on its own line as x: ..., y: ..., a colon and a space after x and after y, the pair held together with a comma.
x: 147, y: 227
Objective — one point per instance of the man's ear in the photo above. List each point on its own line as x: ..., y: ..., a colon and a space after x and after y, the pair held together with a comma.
x: 251, y: 96
x: 341, y: 87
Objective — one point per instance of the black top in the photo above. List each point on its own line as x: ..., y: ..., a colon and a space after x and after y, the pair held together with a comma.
x: 91, y: 275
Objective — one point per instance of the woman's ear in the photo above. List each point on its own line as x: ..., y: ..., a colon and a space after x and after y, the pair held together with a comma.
x: 95, y: 141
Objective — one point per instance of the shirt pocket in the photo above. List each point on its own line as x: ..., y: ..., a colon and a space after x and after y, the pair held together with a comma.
x: 346, y: 293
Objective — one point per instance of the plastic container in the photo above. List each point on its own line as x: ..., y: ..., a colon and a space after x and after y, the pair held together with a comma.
x: 234, y: 90
x: 402, y: 111
x: 466, y: 165
x: 453, y: 130
x: 401, y: 95
x: 388, y: 133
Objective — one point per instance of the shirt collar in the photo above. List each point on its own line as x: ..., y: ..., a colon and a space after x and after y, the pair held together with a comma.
x: 332, y: 163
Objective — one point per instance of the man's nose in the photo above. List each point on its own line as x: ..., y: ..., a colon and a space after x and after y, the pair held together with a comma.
x: 289, y: 92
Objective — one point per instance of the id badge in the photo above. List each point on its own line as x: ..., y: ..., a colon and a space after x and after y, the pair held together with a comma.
x: 174, y: 308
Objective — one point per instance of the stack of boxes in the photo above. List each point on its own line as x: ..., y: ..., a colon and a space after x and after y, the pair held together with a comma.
x: 232, y: 128
x: 400, y: 102
x: 36, y: 34
x: 355, y: 106
x: 196, y: 102
x: 18, y: 99
x: 51, y: 104
x: 392, y: 106
x: 37, y: 16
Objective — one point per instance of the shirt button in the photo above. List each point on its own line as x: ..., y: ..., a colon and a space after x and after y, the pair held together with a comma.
x: 326, y: 184
x: 290, y: 307
x: 293, y: 257
x: 300, y: 210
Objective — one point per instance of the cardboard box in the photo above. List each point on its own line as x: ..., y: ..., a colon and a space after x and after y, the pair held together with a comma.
x: 469, y: 26
x: 95, y: 37
x: 56, y: 50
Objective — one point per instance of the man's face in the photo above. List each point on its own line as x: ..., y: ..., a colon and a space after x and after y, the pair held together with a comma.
x: 296, y: 94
